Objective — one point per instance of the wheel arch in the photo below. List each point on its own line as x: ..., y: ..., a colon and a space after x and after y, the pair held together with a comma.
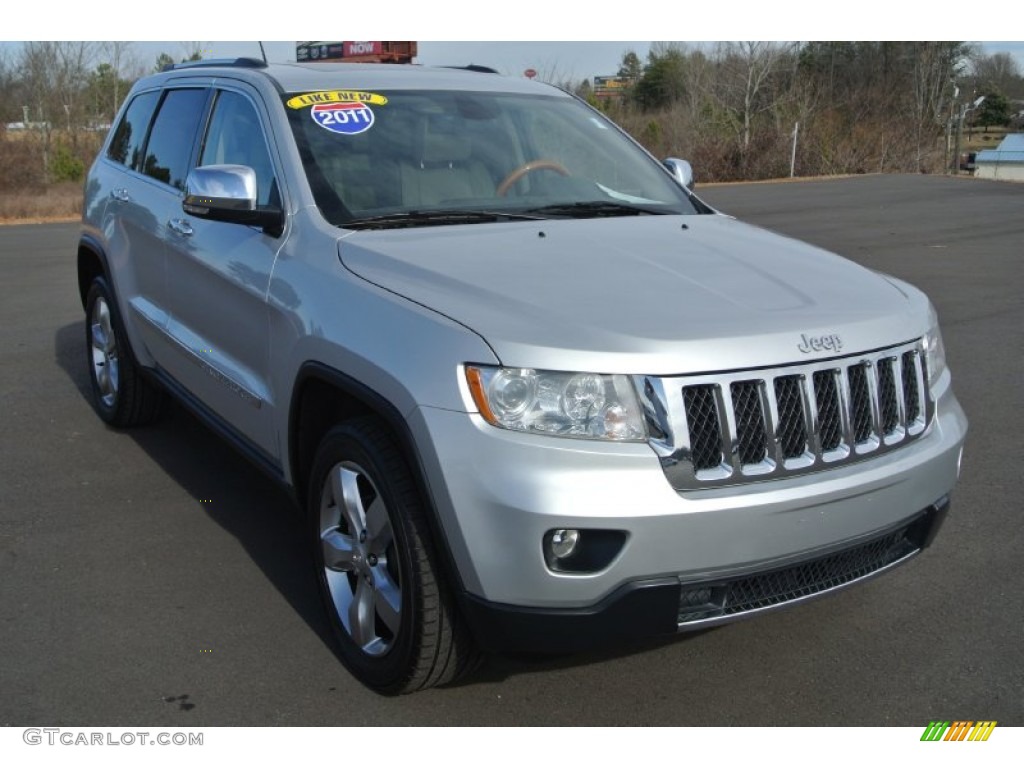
x: 323, y: 397
x: 92, y: 263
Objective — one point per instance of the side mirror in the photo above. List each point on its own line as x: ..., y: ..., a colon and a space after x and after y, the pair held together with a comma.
x: 681, y: 170
x: 228, y: 193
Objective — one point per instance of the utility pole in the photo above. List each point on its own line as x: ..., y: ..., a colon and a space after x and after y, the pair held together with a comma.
x: 959, y: 135
x: 960, y: 130
x: 792, y: 157
x: 954, y: 160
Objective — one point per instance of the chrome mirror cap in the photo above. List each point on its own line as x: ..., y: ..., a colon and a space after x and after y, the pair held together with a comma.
x: 681, y: 170
x: 213, y: 188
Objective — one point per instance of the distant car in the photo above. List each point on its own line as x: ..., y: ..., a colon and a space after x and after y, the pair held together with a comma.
x: 531, y: 391
x: 968, y: 161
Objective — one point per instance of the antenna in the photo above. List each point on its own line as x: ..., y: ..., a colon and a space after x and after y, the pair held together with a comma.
x: 263, y: 52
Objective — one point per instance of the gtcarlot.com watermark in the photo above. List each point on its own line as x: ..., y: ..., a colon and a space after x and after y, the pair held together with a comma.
x: 69, y: 738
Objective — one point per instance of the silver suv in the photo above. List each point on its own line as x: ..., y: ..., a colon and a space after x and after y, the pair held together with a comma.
x: 531, y: 392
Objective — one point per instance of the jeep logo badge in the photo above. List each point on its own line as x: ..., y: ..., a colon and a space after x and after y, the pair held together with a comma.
x: 829, y: 343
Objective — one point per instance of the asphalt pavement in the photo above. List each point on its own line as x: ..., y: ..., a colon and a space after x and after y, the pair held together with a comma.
x: 154, y: 577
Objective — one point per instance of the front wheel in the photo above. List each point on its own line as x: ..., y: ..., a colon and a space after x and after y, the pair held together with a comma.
x: 397, y: 627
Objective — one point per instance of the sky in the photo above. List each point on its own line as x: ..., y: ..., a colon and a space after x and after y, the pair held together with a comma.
x: 553, y: 60
x: 545, y: 22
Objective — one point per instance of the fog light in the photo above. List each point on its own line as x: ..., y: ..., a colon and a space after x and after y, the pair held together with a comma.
x: 563, y: 542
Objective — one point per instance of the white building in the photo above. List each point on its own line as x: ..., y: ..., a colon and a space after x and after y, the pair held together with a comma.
x: 1005, y: 161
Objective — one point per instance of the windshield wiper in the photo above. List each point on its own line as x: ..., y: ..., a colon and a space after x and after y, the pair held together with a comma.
x: 594, y: 208
x: 435, y: 217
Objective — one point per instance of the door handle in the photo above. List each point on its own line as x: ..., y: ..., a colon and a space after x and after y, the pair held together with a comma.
x: 181, y: 226
x: 120, y: 193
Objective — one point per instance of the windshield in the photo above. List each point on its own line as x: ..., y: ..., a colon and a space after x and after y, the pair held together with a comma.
x: 415, y: 158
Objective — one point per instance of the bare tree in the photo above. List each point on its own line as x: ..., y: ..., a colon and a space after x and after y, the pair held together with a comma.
x: 744, y: 78
x: 120, y: 55
x: 7, y: 87
x: 998, y: 72
x: 934, y: 67
x: 53, y: 77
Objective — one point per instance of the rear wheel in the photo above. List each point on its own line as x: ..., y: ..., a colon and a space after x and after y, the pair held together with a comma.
x: 397, y: 627
x: 121, y: 396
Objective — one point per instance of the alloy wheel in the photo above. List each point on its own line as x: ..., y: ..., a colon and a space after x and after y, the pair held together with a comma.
x: 359, y: 561
x: 103, y: 343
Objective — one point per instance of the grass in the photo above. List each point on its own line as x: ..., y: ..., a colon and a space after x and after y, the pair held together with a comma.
x: 977, y: 139
x: 55, y: 203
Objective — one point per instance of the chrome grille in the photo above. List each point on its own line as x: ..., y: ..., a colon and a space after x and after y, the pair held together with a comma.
x: 830, y: 422
x: 746, y: 403
x: 791, y: 431
x: 911, y: 399
x: 728, y: 428
x: 860, y: 402
x: 705, y: 429
x: 889, y: 411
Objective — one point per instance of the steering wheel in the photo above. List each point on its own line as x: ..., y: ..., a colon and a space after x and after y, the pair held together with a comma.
x: 525, y: 168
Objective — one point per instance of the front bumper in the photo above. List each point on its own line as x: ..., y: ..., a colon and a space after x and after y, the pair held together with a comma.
x: 498, y: 493
x: 661, y: 607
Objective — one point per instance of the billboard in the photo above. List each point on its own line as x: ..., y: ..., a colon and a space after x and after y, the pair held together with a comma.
x: 611, y: 86
x: 350, y: 50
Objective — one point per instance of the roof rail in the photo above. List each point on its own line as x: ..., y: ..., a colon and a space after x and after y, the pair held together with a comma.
x: 475, y: 68
x: 245, y: 61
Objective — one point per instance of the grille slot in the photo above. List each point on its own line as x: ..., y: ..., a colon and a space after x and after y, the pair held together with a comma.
x: 791, y: 431
x: 830, y: 421
x: 911, y: 399
x: 889, y: 410
x: 705, y: 427
x: 750, y: 432
x: 764, y: 590
x: 742, y: 426
x: 860, y: 402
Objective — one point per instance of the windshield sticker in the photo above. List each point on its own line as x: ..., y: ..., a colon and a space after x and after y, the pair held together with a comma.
x: 350, y: 117
x: 327, y: 97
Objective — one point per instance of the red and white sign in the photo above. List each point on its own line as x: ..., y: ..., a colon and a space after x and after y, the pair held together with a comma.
x: 363, y: 49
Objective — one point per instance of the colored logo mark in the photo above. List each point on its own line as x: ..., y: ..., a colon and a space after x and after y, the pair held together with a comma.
x: 958, y: 730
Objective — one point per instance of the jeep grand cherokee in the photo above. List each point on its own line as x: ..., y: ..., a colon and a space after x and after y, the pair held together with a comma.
x: 531, y: 392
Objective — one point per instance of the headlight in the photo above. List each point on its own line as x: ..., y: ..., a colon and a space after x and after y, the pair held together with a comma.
x: 588, y: 405
x: 934, y: 351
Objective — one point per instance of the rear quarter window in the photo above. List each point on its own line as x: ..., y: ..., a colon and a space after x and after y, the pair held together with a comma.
x: 130, y: 135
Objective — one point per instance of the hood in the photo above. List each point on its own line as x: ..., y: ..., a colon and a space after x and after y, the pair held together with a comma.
x: 656, y: 295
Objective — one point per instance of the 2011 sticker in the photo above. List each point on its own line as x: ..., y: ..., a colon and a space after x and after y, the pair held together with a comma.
x: 347, y: 117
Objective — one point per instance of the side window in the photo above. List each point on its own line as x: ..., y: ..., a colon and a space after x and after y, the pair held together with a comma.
x: 235, y: 137
x: 126, y: 146
x: 170, y: 142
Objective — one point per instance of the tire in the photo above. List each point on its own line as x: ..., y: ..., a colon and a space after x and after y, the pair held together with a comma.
x: 120, y: 395
x: 394, y: 618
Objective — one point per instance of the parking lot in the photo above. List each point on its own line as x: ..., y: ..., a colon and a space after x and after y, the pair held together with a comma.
x: 155, y: 577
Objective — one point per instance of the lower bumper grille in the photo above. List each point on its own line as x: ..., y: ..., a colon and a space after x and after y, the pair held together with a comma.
x: 713, y: 602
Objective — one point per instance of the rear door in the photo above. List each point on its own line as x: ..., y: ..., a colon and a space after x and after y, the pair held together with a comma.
x: 134, y: 243
x: 153, y: 202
